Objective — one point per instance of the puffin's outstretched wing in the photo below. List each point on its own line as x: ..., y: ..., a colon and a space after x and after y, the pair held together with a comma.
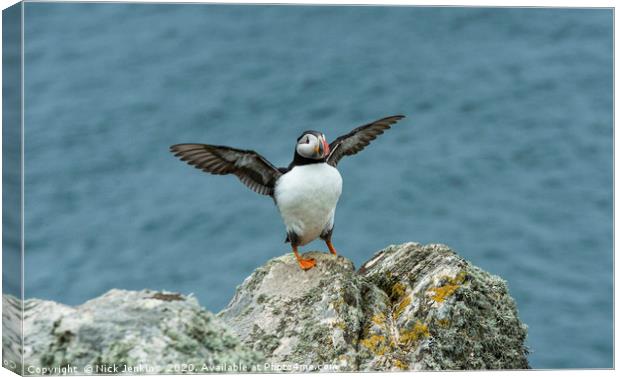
x: 359, y: 138
x: 250, y: 167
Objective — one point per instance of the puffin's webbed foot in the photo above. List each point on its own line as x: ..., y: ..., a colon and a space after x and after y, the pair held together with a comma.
x: 304, y: 264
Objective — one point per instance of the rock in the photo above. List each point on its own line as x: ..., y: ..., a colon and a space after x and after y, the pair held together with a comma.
x: 137, y: 332
x: 297, y: 317
x: 437, y: 311
x: 411, y: 307
x: 11, y: 333
x: 40, y: 317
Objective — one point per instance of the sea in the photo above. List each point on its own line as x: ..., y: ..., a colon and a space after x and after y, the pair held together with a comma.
x: 505, y: 154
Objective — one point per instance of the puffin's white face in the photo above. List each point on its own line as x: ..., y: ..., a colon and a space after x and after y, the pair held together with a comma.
x: 312, y: 146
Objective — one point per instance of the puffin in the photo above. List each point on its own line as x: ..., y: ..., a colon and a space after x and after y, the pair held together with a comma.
x: 306, y: 192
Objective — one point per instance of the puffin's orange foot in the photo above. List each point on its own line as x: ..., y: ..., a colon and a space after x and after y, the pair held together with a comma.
x: 307, y: 264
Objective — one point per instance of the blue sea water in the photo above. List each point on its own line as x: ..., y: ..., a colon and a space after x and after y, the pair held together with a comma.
x: 505, y: 154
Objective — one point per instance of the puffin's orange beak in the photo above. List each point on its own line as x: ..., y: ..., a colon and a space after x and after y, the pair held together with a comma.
x: 325, y: 147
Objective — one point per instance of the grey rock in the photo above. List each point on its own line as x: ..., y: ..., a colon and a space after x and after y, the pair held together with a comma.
x: 410, y: 307
x: 39, y: 317
x: 134, y: 332
x: 438, y: 312
x: 300, y: 318
x: 11, y: 333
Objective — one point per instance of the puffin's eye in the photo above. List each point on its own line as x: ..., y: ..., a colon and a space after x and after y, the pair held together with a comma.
x: 307, y: 139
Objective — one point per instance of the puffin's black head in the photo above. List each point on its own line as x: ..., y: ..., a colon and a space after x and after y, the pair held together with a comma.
x: 312, y: 145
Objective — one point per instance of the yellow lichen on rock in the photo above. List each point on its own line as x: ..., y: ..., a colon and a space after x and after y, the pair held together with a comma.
x: 401, y: 364
x: 378, y: 319
x: 443, y: 322
x: 402, y: 305
x: 338, y: 304
x: 398, y: 291
x: 376, y: 344
x: 418, y: 332
x: 440, y: 294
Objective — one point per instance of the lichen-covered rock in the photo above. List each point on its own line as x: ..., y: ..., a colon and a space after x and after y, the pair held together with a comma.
x: 411, y: 307
x: 438, y: 312
x: 11, y: 333
x: 39, y: 317
x: 300, y: 319
x: 129, y: 332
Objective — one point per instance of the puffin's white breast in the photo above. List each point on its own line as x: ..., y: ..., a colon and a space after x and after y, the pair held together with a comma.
x: 306, y: 197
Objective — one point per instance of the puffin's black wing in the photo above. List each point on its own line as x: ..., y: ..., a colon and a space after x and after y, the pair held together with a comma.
x: 251, y: 168
x: 359, y: 138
